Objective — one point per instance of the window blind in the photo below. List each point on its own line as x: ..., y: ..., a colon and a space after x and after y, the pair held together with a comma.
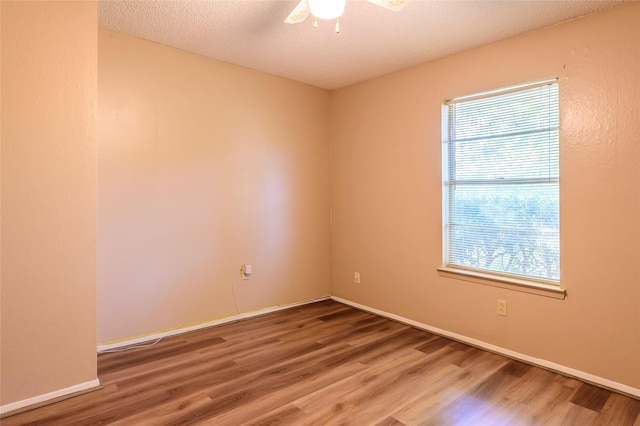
x: 501, y: 182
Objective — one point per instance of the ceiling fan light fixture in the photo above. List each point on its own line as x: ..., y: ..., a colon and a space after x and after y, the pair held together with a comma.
x: 327, y: 9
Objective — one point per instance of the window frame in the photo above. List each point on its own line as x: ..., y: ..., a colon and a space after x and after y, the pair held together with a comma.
x: 535, y: 285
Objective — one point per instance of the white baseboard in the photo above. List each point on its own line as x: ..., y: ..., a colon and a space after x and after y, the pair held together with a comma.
x: 559, y: 368
x: 182, y: 330
x: 47, y: 398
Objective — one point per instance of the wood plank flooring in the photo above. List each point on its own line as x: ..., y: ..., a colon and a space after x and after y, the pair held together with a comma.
x: 328, y: 364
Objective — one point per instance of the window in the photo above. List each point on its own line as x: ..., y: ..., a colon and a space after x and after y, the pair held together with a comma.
x: 501, y: 204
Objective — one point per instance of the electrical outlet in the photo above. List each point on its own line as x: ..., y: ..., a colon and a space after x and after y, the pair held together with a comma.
x: 245, y: 272
x: 502, y: 307
x: 356, y: 278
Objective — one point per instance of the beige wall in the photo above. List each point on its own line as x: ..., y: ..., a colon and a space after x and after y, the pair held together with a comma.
x: 205, y: 166
x: 386, y: 195
x: 48, y: 220
x: 0, y: 198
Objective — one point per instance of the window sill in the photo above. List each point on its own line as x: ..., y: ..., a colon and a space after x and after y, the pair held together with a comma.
x: 532, y: 287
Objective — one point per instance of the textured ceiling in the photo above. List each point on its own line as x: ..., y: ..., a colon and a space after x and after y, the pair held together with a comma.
x: 373, y: 41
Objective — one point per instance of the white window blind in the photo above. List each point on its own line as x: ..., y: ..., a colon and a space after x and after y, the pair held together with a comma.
x: 501, y: 182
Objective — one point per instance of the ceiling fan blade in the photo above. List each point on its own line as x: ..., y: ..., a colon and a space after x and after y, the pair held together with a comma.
x: 299, y: 13
x: 394, y: 5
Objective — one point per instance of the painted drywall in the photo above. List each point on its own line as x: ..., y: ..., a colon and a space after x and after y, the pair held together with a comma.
x: 49, y: 159
x: 0, y: 193
x: 386, y: 196
x: 203, y: 167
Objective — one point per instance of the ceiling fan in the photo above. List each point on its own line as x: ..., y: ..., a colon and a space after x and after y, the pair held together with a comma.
x: 332, y: 9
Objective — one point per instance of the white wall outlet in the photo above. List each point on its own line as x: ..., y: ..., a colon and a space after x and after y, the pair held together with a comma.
x: 245, y: 272
x: 502, y: 307
x: 356, y: 277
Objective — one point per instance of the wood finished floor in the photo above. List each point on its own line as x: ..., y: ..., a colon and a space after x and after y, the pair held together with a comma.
x: 328, y: 364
